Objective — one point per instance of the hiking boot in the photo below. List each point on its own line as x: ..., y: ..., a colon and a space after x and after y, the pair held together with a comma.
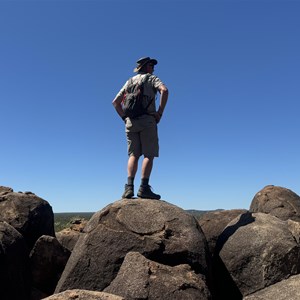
x: 145, y: 191
x: 128, y: 193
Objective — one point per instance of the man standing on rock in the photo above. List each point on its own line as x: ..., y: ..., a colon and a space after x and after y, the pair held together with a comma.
x: 141, y: 130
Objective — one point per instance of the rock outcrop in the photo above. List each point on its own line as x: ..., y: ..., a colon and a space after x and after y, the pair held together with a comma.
x: 83, y: 295
x: 24, y: 218
x: 145, y: 249
x: 213, y: 224
x: 47, y: 254
x: 277, y: 201
x: 14, y: 264
x: 258, y: 250
x: 29, y: 214
x: 288, y: 289
x: 141, y: 278
x: 158, y: 230
x: 68, y: 237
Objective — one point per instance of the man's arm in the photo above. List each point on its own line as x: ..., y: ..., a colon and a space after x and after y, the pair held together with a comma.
x: 117, y: 105
x: 164, y: 93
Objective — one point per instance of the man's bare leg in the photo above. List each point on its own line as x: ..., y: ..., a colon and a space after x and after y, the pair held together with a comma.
x: 147, y: 167
x: 132, y: 167
x: 145, y: 189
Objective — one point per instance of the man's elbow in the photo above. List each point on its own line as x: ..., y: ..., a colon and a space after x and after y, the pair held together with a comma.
x: 164, y: 90
x: 165, y: 93
x: 114, y: 103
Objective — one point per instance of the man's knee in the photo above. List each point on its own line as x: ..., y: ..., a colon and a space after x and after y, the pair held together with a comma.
x: 150, y: 158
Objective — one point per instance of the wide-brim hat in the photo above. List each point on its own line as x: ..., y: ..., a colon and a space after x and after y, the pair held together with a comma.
x: 142, y: 61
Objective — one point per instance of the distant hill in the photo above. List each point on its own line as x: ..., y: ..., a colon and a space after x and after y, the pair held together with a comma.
x: 65, y: 219
x: 199, y: 213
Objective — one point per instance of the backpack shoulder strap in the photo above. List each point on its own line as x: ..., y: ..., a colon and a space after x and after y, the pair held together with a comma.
x: 129, y: 84
x: 145, y: 79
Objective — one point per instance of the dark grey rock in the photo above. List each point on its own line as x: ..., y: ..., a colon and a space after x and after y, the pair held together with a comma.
x: 83, y: 295
x: 258, y: 250
x: 160, y: 231
x: 30, y: 215
x: 14, y: 265
x: 277, y: 201
x: 288, y: 289
x: 68, y: 237
x: 140, y: 278
x: 213, y: 224
x: 48, y: 259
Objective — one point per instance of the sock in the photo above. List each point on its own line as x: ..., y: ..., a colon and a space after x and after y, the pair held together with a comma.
x: 145, y: 181
x: 130, y: 180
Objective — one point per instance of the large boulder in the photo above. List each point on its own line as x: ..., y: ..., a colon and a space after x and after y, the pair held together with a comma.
x: 14, y: 264
x: 48, y: 259
x: 258, y: 250
x: 30, y: 215
x: 83, y: 295
x: 140, y: 278
x: 160, y: 231
x: 288, y: 289
x: 213, y: 224
x: 277, y: 201
x: 5, y: 190
x: 68, y: 237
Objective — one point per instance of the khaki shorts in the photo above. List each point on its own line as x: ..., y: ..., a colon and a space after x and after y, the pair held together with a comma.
x: 142, y: 136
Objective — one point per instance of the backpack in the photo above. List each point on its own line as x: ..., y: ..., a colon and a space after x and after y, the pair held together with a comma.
x: 132, y: 103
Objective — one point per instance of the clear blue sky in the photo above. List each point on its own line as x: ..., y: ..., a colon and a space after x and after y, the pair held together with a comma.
x: 231, y: 125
